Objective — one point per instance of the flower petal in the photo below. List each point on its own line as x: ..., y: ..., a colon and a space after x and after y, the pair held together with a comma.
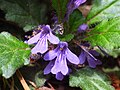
x: 48, y: 68
x: 60, y: 65
x: 72, y: 57
x: 82, y: 57
x: 34, y: 39
x: 59, y: 76
x: 56, y: 67
x: 91, y: 62
x: 63, y: 66
x: 79, y: 2
x: 53, y: 39
x: 41, y: 46
x: 83, y: 28
x: 50, y: 55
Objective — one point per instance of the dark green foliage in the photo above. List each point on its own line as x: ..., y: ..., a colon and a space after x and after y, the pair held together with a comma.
x: 24, y: 12
x: 76, y: 19
x: 67, y: 37
x: 60, y: 6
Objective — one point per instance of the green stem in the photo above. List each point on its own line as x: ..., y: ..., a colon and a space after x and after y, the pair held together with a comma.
x: 60, y: 11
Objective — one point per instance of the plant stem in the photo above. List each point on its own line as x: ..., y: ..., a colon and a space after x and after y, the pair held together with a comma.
x: 60, y: 11
x: 22, y: 80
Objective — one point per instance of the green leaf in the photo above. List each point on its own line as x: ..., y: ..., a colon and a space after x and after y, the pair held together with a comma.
x: 103, y: 9
x: 107, y: 35
x: 28, y: 28
x: 67, y: 37
x: 13, y: 54
x: 76, y: 19
x: 24, y: 12
x: 90, y: 79
x: 40, y: 79
x: 60, y: 7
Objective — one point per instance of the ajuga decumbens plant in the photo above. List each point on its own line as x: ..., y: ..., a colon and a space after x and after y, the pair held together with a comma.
x: 69, y: 45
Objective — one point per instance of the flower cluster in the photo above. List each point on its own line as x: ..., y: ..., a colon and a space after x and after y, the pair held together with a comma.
x: 60, y: 56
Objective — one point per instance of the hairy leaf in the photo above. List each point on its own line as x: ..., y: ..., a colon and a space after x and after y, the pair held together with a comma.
x: 107, y: 35
x: 90, y: 79
x: 24, y: 12
x: 13, y: 54
x: 67, y: 37
x: 60, y: 7
x: 76, y: 19
x: 103, y: 9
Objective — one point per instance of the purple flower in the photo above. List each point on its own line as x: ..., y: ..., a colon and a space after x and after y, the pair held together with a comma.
x: 59, y: 66
x: 41, y: 38
x: 87, y: 55
x: 47, y: 70
x: 82, y: 28
x: 72, y: 5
